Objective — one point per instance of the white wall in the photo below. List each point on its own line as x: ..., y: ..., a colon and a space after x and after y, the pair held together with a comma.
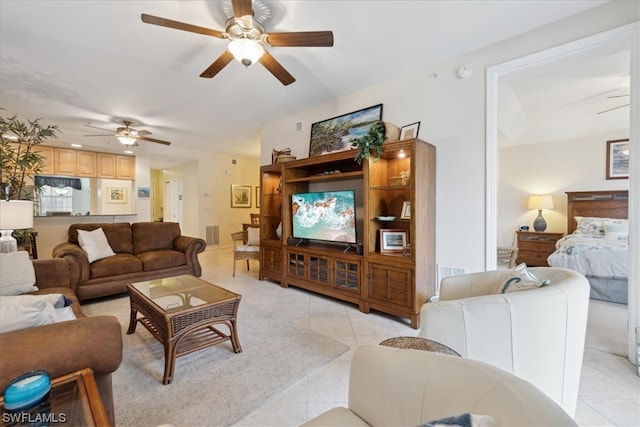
x: 452, y: 116
x: 550, y: 168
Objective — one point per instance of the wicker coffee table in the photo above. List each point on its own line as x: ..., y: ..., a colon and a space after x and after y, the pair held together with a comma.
x: 182, y: 313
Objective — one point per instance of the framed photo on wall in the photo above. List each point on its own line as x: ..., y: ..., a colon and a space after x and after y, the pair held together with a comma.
x: 240, y: 196
x: 116, y: 195
x: 335, y: 134
x: 618, y: 159
x: 393, y: 241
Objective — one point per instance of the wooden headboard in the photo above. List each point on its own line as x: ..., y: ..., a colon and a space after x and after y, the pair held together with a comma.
x: 603, y: 204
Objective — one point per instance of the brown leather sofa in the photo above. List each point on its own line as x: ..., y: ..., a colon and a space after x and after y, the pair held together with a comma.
x: 65, y: 347
x: 144, y: 251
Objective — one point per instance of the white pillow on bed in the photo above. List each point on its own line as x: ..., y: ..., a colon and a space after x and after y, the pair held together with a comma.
x: 589, y: 226
x: 616, y: 228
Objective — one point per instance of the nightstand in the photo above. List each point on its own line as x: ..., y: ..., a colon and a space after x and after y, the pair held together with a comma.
x: 535, y: 247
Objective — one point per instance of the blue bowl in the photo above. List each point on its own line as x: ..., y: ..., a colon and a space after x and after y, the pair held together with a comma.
x: 27, y: 390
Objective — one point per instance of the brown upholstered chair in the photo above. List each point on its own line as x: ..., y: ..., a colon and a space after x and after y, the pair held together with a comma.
x: 246, y: 246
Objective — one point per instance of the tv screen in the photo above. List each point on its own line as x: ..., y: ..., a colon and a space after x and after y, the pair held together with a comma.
x: 324, y: 215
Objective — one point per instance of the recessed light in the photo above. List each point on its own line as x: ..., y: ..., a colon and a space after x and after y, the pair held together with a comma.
x: 128, y: 151
x: 76, y: 145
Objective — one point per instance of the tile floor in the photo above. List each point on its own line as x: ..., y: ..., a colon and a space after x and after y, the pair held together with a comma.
x: 609, y: 390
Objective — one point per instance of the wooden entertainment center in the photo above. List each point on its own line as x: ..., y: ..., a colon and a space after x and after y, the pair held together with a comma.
x: 396, y: 283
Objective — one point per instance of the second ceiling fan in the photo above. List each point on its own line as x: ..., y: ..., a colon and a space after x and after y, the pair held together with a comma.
x: 247, y: 38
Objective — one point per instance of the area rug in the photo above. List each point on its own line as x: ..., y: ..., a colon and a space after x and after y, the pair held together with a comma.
x: 213, y: 386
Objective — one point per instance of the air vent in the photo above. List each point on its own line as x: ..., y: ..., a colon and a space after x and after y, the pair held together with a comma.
x: 212, y: 235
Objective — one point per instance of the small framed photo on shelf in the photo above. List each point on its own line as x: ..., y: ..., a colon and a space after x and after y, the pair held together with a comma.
x: 393, y: 241
x: 240, y: 196
x: 410, y: 131
x: 406, y: 210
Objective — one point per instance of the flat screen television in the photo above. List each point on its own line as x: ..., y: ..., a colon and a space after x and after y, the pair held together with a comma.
x: 324, y: 215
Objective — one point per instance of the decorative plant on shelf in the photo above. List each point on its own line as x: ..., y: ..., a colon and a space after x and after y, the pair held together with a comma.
x: 370, y: 143
x: 19, y: 161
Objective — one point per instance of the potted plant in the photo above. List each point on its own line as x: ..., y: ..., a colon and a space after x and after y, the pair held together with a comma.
x: 370, y: 143
x: 20, y: 162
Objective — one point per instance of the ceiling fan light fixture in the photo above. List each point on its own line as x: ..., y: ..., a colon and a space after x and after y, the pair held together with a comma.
x: 126, y: 140
x: 246, y: 51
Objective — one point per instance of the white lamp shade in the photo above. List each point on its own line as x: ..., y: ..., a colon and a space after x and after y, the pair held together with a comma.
x: 126, y: 140
x: 246, y: 51
x: 16, y: 214
x: 540, y: 202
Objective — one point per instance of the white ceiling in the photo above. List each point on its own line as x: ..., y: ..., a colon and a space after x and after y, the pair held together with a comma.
x: 75, y: 62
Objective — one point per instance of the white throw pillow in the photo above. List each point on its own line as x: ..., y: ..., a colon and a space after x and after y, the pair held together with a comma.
x: 17, y: 275
x: 95, y: 244
x: 25, y: 311
x: 253, y: 236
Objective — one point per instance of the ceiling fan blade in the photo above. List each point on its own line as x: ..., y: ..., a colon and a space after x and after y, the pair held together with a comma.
x: 89, y: 125
x: 143, y: 132
x: 276, y: 69
x: 617, y: 96
x: 158, y: 141
x: 611, y: 109
x: 217, y: 65
x: 111, y: 134
x: 301, y: 38
x: 155, y: 20
x: 241, y: 8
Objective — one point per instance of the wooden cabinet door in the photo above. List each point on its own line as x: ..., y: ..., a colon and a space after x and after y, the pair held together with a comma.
x: 47, y: 158
x: 125, y: 167
x: 106, y: 165
x: 390, y: 284
x: 64, y: 161
x: 86, y: 163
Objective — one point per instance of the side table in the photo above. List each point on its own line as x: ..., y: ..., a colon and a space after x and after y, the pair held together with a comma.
x: 418, y: 343
x: 74, y: 399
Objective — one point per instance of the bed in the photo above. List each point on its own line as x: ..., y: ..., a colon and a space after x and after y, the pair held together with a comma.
x: 597, y: 243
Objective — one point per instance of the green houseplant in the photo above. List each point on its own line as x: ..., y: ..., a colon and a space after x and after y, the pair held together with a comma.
x: 19, y: 161
x: 370, y: 143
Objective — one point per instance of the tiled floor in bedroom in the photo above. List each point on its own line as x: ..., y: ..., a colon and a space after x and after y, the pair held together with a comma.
x: 609, y: 388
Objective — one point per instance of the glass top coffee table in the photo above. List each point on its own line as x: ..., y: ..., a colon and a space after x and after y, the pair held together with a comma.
x: 182, y: 313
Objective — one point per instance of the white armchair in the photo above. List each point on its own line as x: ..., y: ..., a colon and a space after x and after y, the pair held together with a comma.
x: 536, y: 334
x: 400, y: 387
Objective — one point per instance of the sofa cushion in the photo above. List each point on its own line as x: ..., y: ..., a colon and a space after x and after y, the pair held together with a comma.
x: 115, y: 265
x: 17, y: 275
x: 149, y: 236
x: 161, y: 259
x: 118, y: 235
x: 95, y: 244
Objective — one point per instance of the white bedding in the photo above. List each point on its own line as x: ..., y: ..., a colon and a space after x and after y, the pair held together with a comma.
x: 597, y: 256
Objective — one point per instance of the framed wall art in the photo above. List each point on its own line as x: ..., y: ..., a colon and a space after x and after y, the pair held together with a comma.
x: 240, y: 196
x: 144, y: 192
x: 335, y: 134
x: 410, y: 131
x: 618, y: 159
x: 393, y: 241
x: 116, y: 195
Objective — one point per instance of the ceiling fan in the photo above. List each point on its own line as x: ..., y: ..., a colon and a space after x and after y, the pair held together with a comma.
x: 247, y: 38
x: 129, y: 136
x: 614, y: 108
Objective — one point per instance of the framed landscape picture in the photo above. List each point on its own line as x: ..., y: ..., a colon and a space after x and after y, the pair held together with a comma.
x: 240, y: 196
x: 618, y: 159
x: 335, y: 134
x: 393, y: 241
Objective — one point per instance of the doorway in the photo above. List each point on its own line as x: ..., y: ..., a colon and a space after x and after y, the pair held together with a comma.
x: 627, y: 34
x: 173, y: 201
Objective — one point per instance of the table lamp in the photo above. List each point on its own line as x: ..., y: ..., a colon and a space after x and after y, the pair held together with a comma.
x: 14, y: 215
x: 539, y: 203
